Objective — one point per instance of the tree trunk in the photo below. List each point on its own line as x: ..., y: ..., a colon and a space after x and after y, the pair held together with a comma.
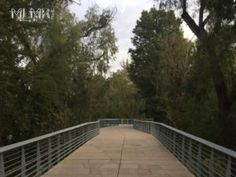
x: 223, y: 98
x: 224, y: 108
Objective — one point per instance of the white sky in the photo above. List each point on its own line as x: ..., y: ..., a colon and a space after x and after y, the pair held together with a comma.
x: 128, y: 12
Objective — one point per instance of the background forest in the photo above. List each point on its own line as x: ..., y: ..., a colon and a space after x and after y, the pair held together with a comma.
x: 54, y: 73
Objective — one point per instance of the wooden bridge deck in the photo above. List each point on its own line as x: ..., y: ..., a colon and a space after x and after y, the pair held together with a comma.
x: 120, y: 152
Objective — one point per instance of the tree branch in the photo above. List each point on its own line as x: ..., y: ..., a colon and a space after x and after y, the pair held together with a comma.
x: 104, y: 20
x: 206, y: 20
x: 92, y: 29
x: 99, y: 57
x: 201, y: 12
x: 198, y: 30
x: 191, y: 23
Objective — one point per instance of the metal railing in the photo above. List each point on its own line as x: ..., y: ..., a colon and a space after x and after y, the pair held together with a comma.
x: 115, y: 122
x: 35, y: 156
x: 201, y: 157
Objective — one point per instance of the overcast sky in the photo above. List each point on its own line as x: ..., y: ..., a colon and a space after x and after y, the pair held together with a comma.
x: 128, y: 12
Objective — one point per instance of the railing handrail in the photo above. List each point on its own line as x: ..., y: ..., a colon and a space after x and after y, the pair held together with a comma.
x: 198, y: 139
x: 117, y: 119
x: 201, y: 157
x: 42, y: 137
x: 39, y: 138
x: 61, y: 143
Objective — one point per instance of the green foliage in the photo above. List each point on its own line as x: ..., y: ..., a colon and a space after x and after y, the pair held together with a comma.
x: 215, y: 31
x: 47, y: 66
x: 122, y: 98
x: 51, y: 72
x: 114, y: 97
x: 159, y: 62
x: 191, y: 87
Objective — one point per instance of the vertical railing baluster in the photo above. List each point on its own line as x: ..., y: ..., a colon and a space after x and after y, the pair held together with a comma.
x: 211, y: 164
x: 58, y: 148
x: 98, y: 128
x: 174, y: 143
x: 199, y: 158
x: 153, y: 130
x: 228, y: 172
x: 182, y: 149
x: 70, y: 141
x: 169, y: 140
x: 158, y: 131
x: 190, y: 160
x: 2, y: 168
x: 23, y: 167
x: 83, y: 137
x: 49, y: 152
x: 86, y: 133
x: 38, y: 160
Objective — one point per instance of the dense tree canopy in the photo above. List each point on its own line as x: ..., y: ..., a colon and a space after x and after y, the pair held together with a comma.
x: 155, y: 69
x: 213, y: 23
x: 188, y: 85
x: 51, y: 71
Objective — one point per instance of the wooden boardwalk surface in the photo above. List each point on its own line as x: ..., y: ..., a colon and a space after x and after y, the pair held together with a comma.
x: 120, y: 152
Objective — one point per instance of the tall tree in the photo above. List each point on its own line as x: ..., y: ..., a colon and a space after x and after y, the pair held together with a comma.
x: 215, y: 29
x: 122, y: 98
x: 153, y: 67
x: 47, y: 65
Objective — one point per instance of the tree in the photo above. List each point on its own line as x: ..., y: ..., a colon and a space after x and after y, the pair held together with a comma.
x: 154, y: 69
x: 47, y: 66
x: 122, y: 98
x: 215, y: 31
x: 98, y: 38
x: 18, y: 44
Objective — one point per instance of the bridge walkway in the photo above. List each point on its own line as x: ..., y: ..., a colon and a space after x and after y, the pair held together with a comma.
x: 120, y: 152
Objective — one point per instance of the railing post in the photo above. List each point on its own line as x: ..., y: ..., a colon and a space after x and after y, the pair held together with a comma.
x: 149, y: 128
x: 2, y: 168
x: 182, y: 148
x: 58, y: 148
x: 83, y: 137
x: 49, y: 152
x: 174, y: 143
x: 228, y: 169
x: 199, y: 158
x: 23, y: 161
x: 38, y: 158
x: 86, y: 133
x: 168, y: 134
x: 70, y: 140
x: 158, y: 131
x: 211, y: 164
x: 98, y: 128
x: 190, y: 152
